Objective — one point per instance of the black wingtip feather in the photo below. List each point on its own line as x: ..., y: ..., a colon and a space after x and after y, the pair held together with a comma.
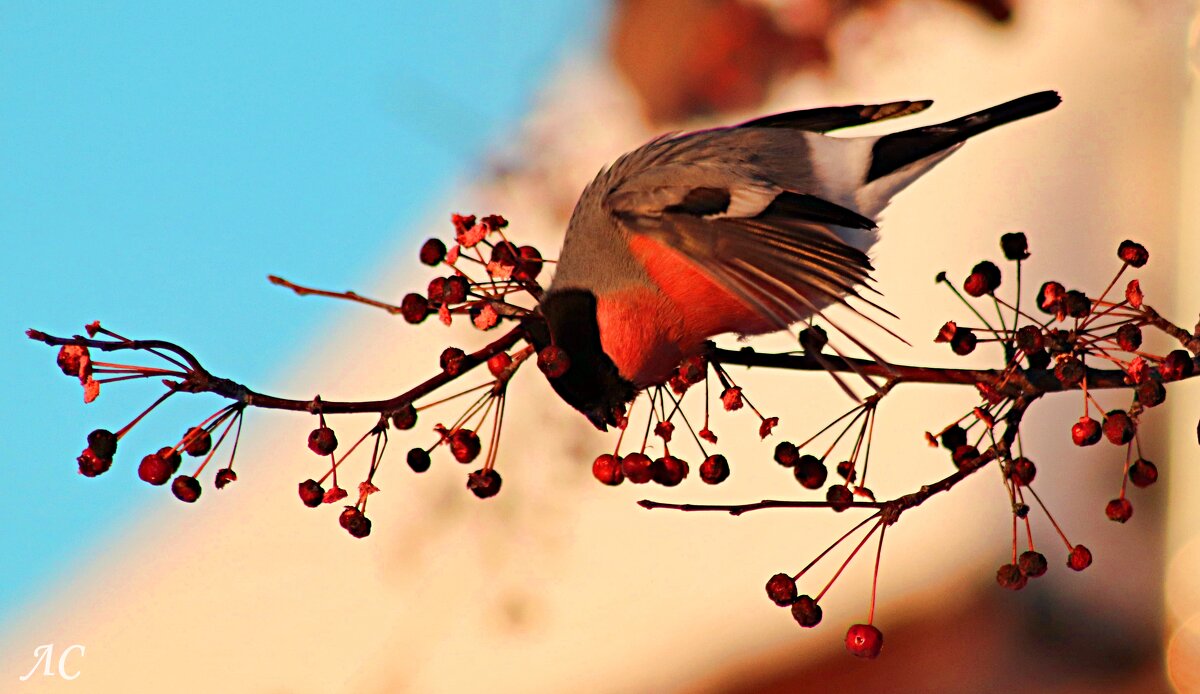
x: 893, y: 152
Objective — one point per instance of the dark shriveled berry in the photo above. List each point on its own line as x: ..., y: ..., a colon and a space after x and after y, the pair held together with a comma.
x: 813, y: 339
x: 1011, y: 577
x: 433, y: 252
x: 1050, y: 296
x: 810, y: 472
x: 839, y: 497
x: 418, y: 459
x: 224, y: 476
x: 786, y: 453
x: 806, y: 612
x: 638, y: 468
x: 781, y: 589
x: 1119, y: 510
x: 1133, y: 253
x: 322, y: 441
x: 954, y: 437
x: 311, y: 493
x: 963, y: 342
x: 1029, y: 338
x: 414, y: 308
x: 1177, y: 365
x: 1119, y: 427
x: 155, y: 469
x: 1032, y: 564
x: 348, y: 514
x: 1076, y: 304
x: 1015, y: 246
x: 964, y: 456
x: 1086, y: 432
x: 1080, y: 558
x: 714, y: 469
x: 845, y: 470
x: 484, y: 483
x: 864, y: 640
x: 186, y: 488
x: 1070, y: 371
x: 103, y: 443
x: 607, y: 469
x: 1143, y: 473
x: 456, y: 289
x: 989, y: 278
x: 405, y: 418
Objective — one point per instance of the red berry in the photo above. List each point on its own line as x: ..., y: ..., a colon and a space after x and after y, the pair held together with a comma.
x: 1119, y: 427
x: 714, y: 469
x: 1070, y: 371
x: 1129, y: 337
x: 418, y: 459
x: 1032, y: 564
x: 1029, y: 339
x: 505, y: 253
x: 1009, y: 576
x: 186, y: 488
x: 963, y: 342
x: 1135, y: 254
x: 436, y: 291
x: 607, y: 469
x: 786, y: 453
x: 990, y: 273
x: 638, y: 468
x: 781, y: 589
x: 964, y: 456
x: 1015, y: 246
x: 1143, y: 473
x: 155, y: 469
x: 405, y: 418
x: 1119, y: 510
x: 103, y: 443
x: 359, y: 526
x: 806, y: 612
x: 810, y: 472
x: 484, y: 483
x: 92, y: 464
x: 670, y: 471
x: 498, y: 363
x: 451, y: 360
x: 1080, y: 558
x: 839, y: 497
x: 553, y: 361
x: 311, y: 493
x: 464, y: 445
x: 1076, y: 304
x: 197, y: 442
x: 1023, y: 471
x: 433, y: 252
x: 1177, y: 365
x: 348, y: 514
x: 1050, y: 296
x: 322, y: 441
x: 1151, y: 393
x: 414, y: 308
x: 494, y: 222
x: 530, y: 264
x: 224, y: 476
x: 975, y: 284
x: 456, y: 289
x: 864, y: 640
x: 1086, y: 432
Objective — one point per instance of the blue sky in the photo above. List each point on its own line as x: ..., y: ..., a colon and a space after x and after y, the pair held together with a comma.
x: 157, y: 160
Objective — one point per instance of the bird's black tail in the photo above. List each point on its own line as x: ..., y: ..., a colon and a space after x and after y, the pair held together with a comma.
x: 893, y: 152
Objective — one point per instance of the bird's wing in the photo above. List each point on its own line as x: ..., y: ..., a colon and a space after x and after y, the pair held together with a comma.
x: 768, y: 246
x: 823, y: 120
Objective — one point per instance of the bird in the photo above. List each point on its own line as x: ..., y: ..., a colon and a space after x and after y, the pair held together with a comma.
x: 743, y: 229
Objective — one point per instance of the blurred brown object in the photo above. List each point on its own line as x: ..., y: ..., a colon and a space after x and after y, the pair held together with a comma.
x: 688, y: 58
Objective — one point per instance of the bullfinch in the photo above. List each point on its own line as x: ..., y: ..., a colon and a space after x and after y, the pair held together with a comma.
x: 743, y: 229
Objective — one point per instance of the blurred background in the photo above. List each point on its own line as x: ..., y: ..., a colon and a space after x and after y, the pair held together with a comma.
x: 159, y: 161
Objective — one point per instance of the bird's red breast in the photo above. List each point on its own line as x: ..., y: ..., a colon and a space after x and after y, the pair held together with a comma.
x: 647, y: 330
